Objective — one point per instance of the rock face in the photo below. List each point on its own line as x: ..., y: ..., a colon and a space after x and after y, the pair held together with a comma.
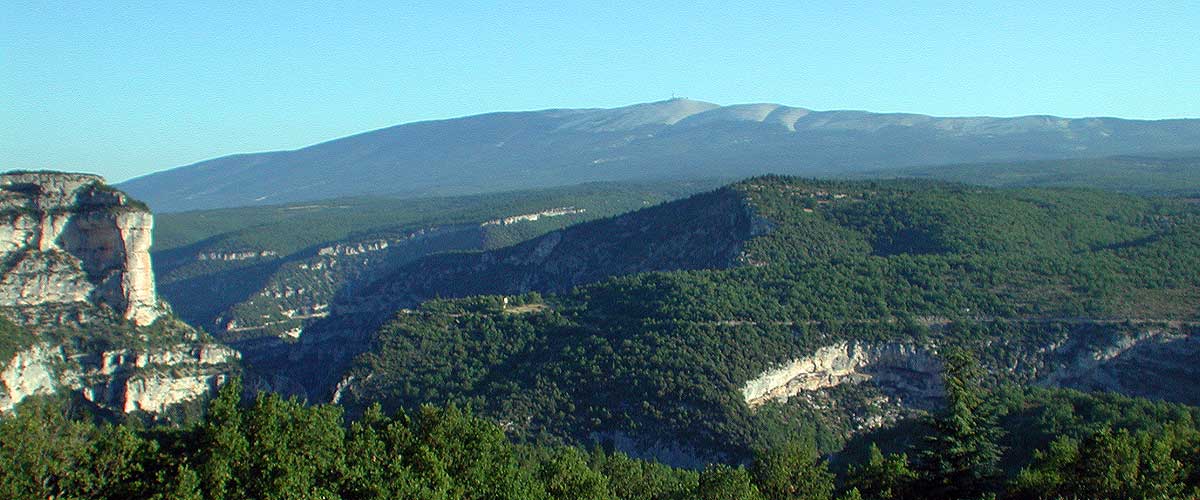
x: 1152, y: 360
x: 1155, y: 361
x: 68, y: 238
x: 149, y: 380
x: 75, y: 260
x: 906, y: 371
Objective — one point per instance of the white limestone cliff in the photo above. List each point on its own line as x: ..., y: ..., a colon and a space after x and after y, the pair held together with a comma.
x: 149, y: 380
x: 75, y: 268
x: 68, y: 238
x: 911, y: 370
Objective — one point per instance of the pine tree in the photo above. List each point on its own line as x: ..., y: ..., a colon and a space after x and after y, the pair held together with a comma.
x: 882, y: 477
x: 792, y: 471
x: 722, y: 482
x: 961, y: 458
x: 223, y: 443
x: 566, y: 476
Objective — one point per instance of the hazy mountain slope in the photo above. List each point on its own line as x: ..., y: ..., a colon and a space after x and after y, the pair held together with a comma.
x: 669, y: 139
x: 267, y: 271
x: 1147, y: 174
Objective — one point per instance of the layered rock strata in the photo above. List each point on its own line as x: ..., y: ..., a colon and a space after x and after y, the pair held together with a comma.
x: 149, y: 380
x: 69, y: 238
x: 76, y: 279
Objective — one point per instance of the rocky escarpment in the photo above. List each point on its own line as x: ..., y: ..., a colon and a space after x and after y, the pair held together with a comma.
x: 553, y: 212
x: 706, y: 231
x: 76, y: 279
x: 906, y: 371
x: 235, y: 256
x: 301, y: 289
x: 149, y: 380
x: 253, y: 279
x: 1155, y: 360
x: 68, y: 238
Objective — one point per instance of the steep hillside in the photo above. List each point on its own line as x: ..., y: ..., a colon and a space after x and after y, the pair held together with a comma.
x: 268, y: 271
x: 701, y: 232
x: 675, y: 139
x: 828, y: 323
x: 78, y: 308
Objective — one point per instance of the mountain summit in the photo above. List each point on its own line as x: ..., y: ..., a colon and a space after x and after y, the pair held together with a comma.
x: 676, y: 138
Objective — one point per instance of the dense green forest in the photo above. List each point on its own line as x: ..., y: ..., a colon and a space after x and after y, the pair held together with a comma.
x: 1041, y: 277
x: 533, y: 394
x: 865, y: 249
x: 1163, y: 174
x: 1103, y: 447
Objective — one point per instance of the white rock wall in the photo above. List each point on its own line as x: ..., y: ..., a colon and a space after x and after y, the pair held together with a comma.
x: 843, y: 362
x: 68, y: 239
x: 150, y: 380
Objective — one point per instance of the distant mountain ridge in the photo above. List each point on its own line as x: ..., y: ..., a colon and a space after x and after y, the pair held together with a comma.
x: 675, y: 139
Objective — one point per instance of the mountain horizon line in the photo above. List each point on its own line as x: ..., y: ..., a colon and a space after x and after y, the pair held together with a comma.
x: 661, y: 101
x: 678, y: 138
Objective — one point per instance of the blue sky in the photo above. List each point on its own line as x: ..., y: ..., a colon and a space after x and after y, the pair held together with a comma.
x: 127, y: 89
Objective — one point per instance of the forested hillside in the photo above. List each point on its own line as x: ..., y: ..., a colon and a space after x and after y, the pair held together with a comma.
x: 267, y: 271
x: 847, y: 282
x: 1175, y: 174
x: 979, y: 446
x: 776, y: 338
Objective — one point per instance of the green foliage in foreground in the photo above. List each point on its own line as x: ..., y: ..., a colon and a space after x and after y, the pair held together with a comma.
x: 962, y: 456
x: 275, y: 448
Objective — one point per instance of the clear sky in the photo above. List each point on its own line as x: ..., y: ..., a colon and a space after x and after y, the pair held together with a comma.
x: 126, y: 89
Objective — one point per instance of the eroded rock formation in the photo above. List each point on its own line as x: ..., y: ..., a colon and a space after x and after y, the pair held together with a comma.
x: 75, y: 277
x: 1152, y: 360
x: 68, y: 238
x: 905, y: 371
x: 149, y: 380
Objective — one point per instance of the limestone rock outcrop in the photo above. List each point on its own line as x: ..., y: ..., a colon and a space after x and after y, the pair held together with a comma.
x: 149, y: 380
x: 908, y: 371
x: 1154, y: 360
x: 69, y: 239
x: 75, y: 277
